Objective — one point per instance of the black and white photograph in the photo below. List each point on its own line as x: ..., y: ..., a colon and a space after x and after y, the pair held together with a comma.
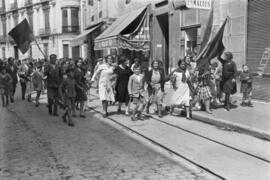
x: 134, y: 90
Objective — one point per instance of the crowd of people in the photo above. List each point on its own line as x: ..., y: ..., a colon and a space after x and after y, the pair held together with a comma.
x: 68, y: 82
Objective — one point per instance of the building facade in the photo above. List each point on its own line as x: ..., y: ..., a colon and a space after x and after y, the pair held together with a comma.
x: 54, y: 24
x: 178, y: 31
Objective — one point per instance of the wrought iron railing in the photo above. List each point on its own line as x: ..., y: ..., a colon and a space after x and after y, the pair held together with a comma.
x: 70, y: 29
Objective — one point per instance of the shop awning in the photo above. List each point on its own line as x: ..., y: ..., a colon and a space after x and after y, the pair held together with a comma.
x: 82, y: 38
x: 129, y: 31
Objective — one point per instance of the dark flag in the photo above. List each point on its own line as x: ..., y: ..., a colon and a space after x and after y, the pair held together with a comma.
x: 208, y: 30
x: 128, y: 1
x: 22, y: 35
x: 214, y: 48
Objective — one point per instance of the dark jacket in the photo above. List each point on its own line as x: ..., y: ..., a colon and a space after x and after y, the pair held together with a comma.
x: 148, y: 77
x: 13, y: 73
x: 54, y: 76
x: 229, y: 69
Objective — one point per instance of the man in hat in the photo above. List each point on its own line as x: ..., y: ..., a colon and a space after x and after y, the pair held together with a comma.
x: 54, y: 78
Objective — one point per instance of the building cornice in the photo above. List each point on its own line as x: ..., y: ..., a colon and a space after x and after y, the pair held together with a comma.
x: 29, y: 6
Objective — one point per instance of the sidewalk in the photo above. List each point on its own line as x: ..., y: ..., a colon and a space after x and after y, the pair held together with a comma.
x: 253, y: 121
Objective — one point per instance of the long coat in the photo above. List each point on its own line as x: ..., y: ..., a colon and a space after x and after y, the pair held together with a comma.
x: 37, y: 80
x: 229, y: 72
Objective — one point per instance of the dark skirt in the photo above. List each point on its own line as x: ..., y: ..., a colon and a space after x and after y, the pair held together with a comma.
x: 228, y: 87
x: 121, y: 94
x: 80, y: 95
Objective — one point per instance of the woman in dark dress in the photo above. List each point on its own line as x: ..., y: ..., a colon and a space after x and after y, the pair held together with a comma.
x: 228, y: 82
x: 123, y: 73
x: 80, y: 87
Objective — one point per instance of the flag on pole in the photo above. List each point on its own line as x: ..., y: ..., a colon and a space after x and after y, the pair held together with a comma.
x: 22, y: 35
x: 208, y: 30
x: 213, y: 48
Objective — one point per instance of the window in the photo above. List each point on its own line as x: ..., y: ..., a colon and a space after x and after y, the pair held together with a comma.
x: 100, y: 14
x: 4, y: 25
x: 93, y: 18
x: 91, y: 2
x: 3, y: 52
x: 16, y: 19
x: 64, y: 18
x: 47, y: 18
x: 30, y: 20
x: 46, y: 49
x: 65, y: 51
x: 74, y: 17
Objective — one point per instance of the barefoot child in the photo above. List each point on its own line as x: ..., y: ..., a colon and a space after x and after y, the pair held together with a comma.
x: 5, y: 82
x: 246, y: 86
x: 68, y: 93
x: 136, y: 90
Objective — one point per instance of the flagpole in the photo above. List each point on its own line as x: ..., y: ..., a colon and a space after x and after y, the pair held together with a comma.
x: 40, y: 48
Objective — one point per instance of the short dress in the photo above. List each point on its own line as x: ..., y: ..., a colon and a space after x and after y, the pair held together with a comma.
x: 156, y: 95
x: 105, y: 82
x: 182, y: 95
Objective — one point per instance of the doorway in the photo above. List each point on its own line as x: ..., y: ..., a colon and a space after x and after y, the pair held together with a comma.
x: 163, y: 21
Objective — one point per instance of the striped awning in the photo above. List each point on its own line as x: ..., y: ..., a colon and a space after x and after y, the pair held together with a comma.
x: 82, y: 38
x: 129, y: 31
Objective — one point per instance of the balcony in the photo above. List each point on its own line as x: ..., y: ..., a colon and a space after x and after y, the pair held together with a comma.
x: 70, y: 29
x: 14, y: 6
x: 28, y: 2
x: 45, y: 32
x: 2, y: 9
x: 3, y: 39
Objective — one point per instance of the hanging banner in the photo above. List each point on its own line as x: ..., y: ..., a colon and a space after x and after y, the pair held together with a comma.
x: 200, y: 4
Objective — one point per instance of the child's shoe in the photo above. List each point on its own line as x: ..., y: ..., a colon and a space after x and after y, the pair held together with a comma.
x: 243, y: 104
x: 249, y: 104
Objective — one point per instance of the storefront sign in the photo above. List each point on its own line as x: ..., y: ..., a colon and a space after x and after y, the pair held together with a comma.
x: 200, y: 4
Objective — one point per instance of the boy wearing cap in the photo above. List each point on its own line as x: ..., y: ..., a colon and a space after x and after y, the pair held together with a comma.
x: 67, y: 92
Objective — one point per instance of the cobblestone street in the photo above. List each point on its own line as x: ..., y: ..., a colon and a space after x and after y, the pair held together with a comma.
x: 37, y: 146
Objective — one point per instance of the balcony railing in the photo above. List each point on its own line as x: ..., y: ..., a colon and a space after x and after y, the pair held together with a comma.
x: 70, y: 29
x: 2, y: 9
x: 3, y: 39
x: 28, y: 2
x: 13, y: 5
x: 45, y: 31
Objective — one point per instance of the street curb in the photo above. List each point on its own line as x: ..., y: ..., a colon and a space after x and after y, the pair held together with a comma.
x: 227, y: 124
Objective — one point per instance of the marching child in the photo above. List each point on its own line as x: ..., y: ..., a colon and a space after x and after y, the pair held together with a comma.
x: 5, y: 82
x: 136, y: 92
x: 37, y: 80
x: 68, y: 93
x: 246, y: 86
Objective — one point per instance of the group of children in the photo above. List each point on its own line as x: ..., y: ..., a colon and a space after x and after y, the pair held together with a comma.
x: 136, y: 89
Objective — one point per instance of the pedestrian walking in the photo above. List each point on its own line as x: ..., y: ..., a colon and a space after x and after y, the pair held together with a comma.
x: 204, y: 93
x: 136, y: 92
x: 106, y: 93
x: 23, y: 75
x: 37, y: 80
x: 81, y: 86
x: 67, y: 92
x: 181, y: 96
x: 123, y: 73
x: 228, y: 82
x: 155, y: 79
x: 12, y: 70
x: 5, y: 86
x: 246, y: 86
x: 29, y: 86
x: 54, y: 78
